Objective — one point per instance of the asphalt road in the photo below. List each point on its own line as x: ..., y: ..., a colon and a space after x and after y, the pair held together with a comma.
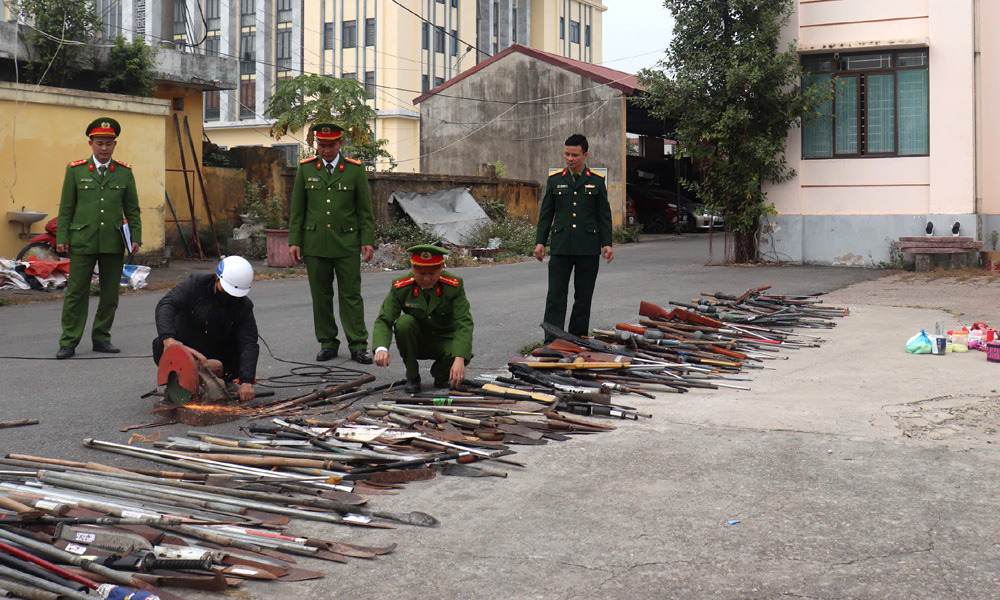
x: 846, y: 472
x: 80, y: 397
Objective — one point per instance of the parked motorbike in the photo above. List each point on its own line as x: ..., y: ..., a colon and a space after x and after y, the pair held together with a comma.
x: 43, y: 245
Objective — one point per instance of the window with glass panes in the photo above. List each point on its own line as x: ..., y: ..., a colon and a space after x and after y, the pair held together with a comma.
x: 248, y: 16
x: 880, y: 105
x: 574, y: 32
x: 349, y: 34
x: 370, y: 83
x: 248, y: 89
x: 369, y: 32
x: 328, y: 36
x: 212, y: 15
x: 439, y: 39
x: 284, y: 11
x: 284, y: 50
x: 211, y: 106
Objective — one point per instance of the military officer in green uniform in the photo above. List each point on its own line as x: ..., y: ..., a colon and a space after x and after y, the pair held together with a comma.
x: 575, y: 209
x: 98, y: 196
x: 332, y: 225
x: 429, y: 313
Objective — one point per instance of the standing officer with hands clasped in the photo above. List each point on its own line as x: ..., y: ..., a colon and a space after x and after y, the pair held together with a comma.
x: 331, y: 225
x: 576, y: 210
x: 98, y: 195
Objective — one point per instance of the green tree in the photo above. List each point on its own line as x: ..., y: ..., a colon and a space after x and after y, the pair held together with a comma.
x: 52, y: 24
x: 131, y: 68
x: 309, y: 98
x: 735, y: 93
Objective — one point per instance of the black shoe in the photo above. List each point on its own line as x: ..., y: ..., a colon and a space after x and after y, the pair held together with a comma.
x: 107, y: 347
x: 326, y: 354
x: 361, y: 356
x: 65, y: 352
x: 442, y: 383
x: 412, y: 386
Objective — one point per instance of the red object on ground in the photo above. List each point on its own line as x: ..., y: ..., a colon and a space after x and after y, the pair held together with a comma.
x: 45, y: 268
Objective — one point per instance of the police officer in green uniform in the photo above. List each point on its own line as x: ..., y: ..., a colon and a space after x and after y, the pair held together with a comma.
x: 429, y: 313
x: 332, y: 225
x: 98, y: 196
x: 576, y: 210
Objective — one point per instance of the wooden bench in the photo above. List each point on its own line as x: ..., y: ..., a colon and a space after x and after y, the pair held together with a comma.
x: 954, y: 252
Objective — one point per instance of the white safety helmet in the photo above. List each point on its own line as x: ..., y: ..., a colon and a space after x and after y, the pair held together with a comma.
x: 236, y: 275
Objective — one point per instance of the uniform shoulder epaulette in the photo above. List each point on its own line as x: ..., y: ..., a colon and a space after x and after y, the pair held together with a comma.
x: 77, y: 163
x: 353, y: 160
x: 556, y: 172
x: 305, y: 160
x: 452, y: 281
x: 124, y: 164
x: 596, y: 173
x: 401, y: 283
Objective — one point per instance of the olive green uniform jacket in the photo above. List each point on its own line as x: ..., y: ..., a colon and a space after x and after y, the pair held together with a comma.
x: 576, y: 212
x: 331, y: 215
x: 92, y: 209
x: 443, y: 313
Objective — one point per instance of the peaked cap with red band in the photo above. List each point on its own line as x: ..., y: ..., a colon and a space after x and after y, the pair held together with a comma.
x: 327, y: 132
x: 427, y: 255
x: 104, y: 127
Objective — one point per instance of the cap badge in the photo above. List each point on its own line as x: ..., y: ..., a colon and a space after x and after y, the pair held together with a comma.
x: 425, y: 255
x: 325, y: 130
x: 105, y: 125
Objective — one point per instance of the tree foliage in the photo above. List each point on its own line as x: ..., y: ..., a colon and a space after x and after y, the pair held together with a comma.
x: 55, y: 62
x: 131, y: 68
x: 308, y: 98
x: 735, y: 93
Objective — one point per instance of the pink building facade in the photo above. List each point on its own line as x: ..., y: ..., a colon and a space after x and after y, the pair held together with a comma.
x: 911, y: 135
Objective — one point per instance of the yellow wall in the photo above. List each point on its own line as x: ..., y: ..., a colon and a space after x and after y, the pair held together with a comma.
x: 192, y: 101
x: 42, y: 130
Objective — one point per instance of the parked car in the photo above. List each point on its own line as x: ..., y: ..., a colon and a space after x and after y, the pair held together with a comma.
x: 698, y: 217
x: 655, y: 209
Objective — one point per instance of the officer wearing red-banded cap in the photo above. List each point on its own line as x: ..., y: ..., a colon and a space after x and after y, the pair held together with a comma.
x: 98, y: 199
x: 430, y: 315
x: 332, y: 226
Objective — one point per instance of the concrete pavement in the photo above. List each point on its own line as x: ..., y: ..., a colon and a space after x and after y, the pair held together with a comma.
x: 832, y: 499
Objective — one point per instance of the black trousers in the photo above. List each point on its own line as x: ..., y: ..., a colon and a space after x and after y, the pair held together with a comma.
x: 561, y: 266
x: 224, y: 353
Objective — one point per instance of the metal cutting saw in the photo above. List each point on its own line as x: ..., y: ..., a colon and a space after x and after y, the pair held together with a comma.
x: 186, y: 381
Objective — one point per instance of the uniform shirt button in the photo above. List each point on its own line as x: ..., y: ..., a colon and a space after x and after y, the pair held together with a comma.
x: 574, y: 193
x: 102, y: 222
x: 328, y: 212
x: 574, y: 214
x: 327, y: 200
x: 327, y: 224
x: 102, y: 199
x: 574, y: 204
x: 102, y: 210
x: 574, y: 225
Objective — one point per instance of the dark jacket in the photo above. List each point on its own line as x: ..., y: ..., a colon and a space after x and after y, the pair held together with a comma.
x: 192, y: 314
x: 577, y: 213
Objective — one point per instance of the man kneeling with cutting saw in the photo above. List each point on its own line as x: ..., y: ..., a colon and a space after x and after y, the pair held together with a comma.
x: 210, y: 316
x: 435, y: 321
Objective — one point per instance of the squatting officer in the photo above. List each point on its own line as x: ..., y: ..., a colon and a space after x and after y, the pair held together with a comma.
x: 332, y: 225
x: 576, y: 210
x: 98, y: 196
x: 429, y: 313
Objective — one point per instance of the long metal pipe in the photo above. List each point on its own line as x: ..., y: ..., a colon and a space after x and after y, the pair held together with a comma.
x: 83, y: 563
